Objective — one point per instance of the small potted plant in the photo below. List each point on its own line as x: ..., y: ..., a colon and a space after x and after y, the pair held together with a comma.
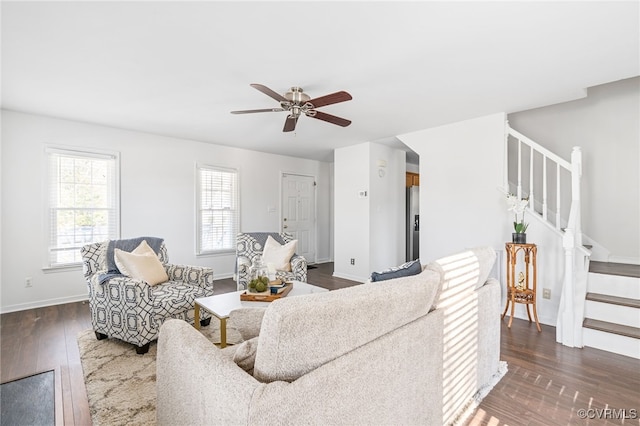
x: 518, y: 207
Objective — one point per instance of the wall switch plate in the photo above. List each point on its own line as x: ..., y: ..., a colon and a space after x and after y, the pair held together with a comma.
x: 546, y: 293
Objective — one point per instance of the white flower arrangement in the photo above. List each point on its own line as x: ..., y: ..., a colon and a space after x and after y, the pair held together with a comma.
x: 518, y: 206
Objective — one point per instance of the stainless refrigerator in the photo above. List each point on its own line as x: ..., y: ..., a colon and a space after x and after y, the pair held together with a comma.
x: 413, y: 223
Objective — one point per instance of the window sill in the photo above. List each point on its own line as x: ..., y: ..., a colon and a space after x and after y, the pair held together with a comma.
x: 216, y: 253
x: 62, y: 268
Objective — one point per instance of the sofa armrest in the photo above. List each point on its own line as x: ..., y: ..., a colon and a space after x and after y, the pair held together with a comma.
x: 196, y: 384
x: 196, y: 275
x: 110, y: 295
x: 299, y: 267
x: 247, y: 321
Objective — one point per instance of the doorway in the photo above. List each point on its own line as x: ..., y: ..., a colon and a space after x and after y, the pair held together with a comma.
x: 298, y: 202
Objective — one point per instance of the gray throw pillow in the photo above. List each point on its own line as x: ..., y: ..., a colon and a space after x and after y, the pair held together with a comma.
x: 406, y: 269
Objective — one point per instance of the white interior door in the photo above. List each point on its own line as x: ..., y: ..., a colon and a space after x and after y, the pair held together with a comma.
x: 299, y: 212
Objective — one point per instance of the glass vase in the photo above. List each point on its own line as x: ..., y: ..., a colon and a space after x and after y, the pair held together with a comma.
x: 258, y: 277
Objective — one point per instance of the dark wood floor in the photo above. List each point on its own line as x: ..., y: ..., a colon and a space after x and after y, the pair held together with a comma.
x: 547, y: 383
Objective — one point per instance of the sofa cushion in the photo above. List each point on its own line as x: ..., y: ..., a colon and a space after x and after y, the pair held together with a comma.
x: 245, y: 354
x: 301, y: 333
x: 464, y: 271
x: 279, y: 254
x: 405, y: 270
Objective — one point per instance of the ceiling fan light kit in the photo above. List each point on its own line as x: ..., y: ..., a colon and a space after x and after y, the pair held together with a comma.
x: 298, y: 103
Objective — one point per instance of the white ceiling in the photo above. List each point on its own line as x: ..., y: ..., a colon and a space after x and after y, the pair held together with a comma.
x: 178, y: 69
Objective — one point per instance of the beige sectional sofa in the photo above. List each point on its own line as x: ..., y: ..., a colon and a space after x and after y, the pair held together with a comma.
x: 418, y: 350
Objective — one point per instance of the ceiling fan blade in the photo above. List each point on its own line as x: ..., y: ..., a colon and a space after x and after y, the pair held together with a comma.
x: 290, y: 123
x: 264, y: 89
x: 251, y: 111
x: 333, y: 98
x: 329, y: 118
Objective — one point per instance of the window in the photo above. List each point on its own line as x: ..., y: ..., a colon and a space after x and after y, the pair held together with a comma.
x: 83, y: 202
x: 217, y: 206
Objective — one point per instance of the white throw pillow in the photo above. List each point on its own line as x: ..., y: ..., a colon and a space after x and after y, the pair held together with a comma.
x: 279, y: 255
x: 143, y: 265
x: 143, y: 248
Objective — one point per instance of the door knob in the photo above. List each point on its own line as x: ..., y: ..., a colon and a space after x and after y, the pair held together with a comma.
x: 285, y: 226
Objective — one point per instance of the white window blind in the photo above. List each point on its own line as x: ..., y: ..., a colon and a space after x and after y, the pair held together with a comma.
x: 83, y: 202
x: 218, y: 213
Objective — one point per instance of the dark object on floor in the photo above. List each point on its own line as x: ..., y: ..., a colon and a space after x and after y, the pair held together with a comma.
x: 29, y: 401
x: 312, y: 267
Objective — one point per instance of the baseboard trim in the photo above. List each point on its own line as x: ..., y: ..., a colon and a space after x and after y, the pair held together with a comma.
x: 542, y: 319
x: 350, y: 277
x: 43, y: 303
x: 223, y: 276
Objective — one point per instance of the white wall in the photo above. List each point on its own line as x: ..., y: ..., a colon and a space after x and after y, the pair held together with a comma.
x: 351, y: 212
x: 157, y: 198
x: 387, y: 207
x: 461, y: 167
x: 606, y: 124
x: 368, y: 229
x: 461, y: 205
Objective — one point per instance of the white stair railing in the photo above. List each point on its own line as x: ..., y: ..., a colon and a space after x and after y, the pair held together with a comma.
x: 540, y: 177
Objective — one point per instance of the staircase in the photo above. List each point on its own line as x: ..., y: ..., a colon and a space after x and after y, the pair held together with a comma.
x: 552, y: 186
x: 612, y: 308
x: 600, y: 302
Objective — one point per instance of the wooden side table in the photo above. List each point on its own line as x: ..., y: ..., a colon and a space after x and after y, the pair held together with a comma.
x: 523, y: 288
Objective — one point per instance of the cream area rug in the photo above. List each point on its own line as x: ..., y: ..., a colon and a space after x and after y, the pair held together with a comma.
x: 121, y: 385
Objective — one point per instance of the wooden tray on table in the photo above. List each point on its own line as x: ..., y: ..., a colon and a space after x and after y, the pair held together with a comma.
x: 265, y: 297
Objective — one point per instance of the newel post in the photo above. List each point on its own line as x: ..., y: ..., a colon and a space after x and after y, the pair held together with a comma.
x: 568, y: 330
x: 565, y: 329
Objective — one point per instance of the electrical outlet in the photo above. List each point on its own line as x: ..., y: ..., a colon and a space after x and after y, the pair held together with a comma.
x: 27, y: 282
x: 546, y: 293
x: 353, y: 261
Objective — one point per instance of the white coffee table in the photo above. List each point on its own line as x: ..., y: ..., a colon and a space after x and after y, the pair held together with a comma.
x: 221, y: 305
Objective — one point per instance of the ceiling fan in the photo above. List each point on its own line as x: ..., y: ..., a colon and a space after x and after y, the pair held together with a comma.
x: 297, y: 103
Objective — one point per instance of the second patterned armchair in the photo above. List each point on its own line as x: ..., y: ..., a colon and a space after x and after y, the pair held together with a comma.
x: 250, y: 247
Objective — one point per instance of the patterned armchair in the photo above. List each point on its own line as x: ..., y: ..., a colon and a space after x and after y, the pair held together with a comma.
x: 249, y: 247
x: 131, y: 310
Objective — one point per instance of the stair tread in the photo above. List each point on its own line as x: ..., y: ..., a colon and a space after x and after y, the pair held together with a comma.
x: 622, y: 269
x: 609, y: 327
x: 613, y: 300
